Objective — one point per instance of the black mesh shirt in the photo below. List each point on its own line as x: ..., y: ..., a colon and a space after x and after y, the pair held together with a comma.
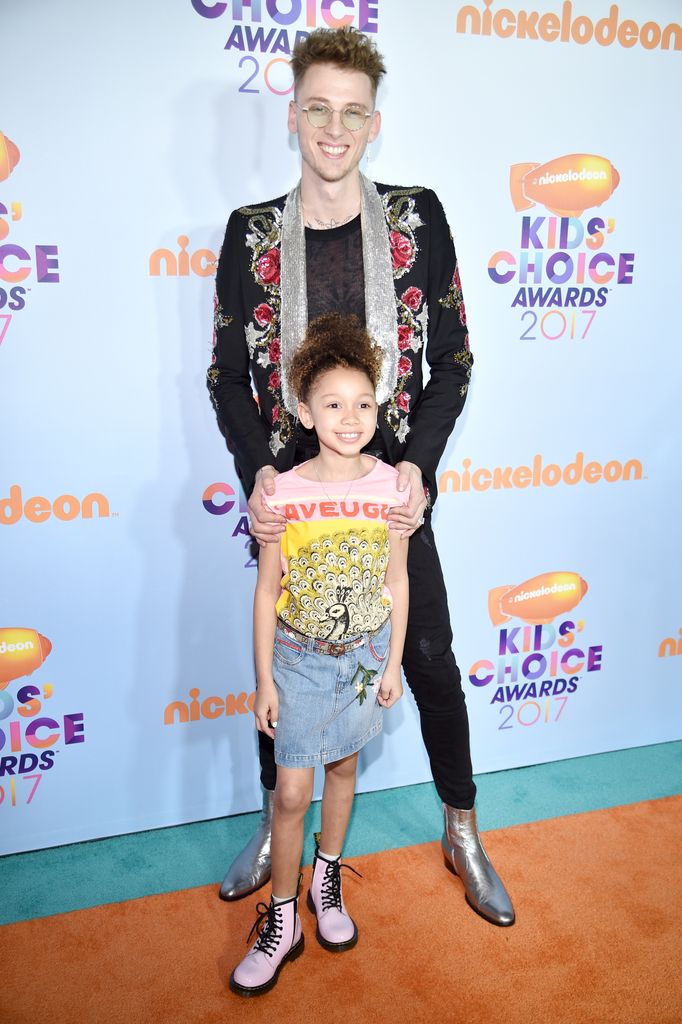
x: 334, y: 271
x: 336, y: 284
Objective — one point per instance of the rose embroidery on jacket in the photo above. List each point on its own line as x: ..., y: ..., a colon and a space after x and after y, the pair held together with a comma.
x: 402, y: 251
x: 264, y: 238
x: 455, y: 300
x: 268, y: 267
x: 403, y: 220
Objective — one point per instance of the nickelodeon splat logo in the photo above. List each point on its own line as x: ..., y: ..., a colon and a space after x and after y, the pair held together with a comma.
x: 540, y: 665
x: 567, y: 186
x: 562, y: 263
x: 22, y: 651
x: 29, y: 733
x: 566, y: 27
x: 17, y: 263
x: 537, y: 601
x: 9, y: 157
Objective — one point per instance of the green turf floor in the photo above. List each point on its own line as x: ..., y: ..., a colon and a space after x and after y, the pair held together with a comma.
x: 125, y: 867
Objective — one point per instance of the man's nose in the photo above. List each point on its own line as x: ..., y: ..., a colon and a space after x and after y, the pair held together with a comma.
x: 335, y: 128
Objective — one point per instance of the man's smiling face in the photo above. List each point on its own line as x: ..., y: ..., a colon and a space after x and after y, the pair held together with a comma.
x: 333, y: 152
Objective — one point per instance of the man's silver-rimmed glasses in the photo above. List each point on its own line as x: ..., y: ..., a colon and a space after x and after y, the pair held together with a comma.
x: 319, y: 116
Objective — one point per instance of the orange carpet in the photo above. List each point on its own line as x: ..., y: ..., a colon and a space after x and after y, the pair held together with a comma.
x: 597, y: 941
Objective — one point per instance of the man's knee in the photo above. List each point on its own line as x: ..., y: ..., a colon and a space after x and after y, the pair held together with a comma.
x: 435, y: 681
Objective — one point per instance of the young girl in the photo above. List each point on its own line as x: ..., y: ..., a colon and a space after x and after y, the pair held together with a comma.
x: 327, y: 602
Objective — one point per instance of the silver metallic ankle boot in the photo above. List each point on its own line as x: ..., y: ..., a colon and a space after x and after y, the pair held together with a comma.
x: 252, y: 866
x: 464, y: 854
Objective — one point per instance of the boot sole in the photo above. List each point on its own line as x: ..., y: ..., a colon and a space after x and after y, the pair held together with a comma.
x: 491, y: 920
x: 333, y: 947
x: 242, y: 990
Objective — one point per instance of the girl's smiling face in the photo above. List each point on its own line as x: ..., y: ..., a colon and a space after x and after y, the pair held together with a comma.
x: 342, y: 408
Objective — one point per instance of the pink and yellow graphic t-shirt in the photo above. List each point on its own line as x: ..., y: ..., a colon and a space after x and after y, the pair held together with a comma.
x: 335, y: 552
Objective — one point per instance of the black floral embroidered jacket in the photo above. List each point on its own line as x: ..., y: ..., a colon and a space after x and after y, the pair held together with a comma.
x: 417, y: 420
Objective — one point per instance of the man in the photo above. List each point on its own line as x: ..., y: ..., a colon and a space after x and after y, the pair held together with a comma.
x: 339, y: 243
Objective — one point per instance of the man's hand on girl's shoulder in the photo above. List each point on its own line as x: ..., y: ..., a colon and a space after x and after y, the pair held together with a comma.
x: 265, y: 526
x: 409, y: 517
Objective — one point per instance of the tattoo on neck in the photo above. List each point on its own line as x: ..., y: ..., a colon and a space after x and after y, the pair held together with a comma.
x: 327, y: 225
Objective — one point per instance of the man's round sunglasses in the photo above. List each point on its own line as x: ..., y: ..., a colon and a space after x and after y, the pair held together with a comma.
x: 319, y: 116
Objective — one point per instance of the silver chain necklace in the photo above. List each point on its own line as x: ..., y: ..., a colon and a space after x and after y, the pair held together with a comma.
x: 354, y: 480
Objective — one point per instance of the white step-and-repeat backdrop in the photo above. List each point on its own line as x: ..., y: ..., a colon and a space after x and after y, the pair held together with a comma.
x: 129, y: 131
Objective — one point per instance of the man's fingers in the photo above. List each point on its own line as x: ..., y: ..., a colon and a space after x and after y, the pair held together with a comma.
x: 264, y: 538
x: 263, y: 517
x: 258, y: 528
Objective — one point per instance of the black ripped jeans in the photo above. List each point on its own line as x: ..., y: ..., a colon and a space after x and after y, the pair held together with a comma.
x: 432, y: 675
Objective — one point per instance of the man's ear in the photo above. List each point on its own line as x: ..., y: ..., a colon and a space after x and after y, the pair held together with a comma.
x: 375, y: 126
x: 305, y: 416
x: 292, y: 123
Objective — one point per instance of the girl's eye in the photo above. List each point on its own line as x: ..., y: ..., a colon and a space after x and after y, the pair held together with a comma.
x: 365, y: 405
x: 333, y: 405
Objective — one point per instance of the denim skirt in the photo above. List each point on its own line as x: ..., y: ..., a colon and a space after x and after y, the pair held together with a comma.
x: 328, y: 705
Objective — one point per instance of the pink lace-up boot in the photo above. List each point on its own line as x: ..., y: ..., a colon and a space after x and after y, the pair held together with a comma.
x: 336, y: 930
x: 279, y: 940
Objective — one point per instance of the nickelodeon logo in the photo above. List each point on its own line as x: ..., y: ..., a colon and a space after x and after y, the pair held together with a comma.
x: 566, y: 186
x: 202, y: 262
x: 9, y: 156
x: 539, y: 600
x: 38, y: 510
x: 22, y: 651
x: 565, y: 28
x: 209, y: 707
x: 671, y: 646
x: 537, y: 475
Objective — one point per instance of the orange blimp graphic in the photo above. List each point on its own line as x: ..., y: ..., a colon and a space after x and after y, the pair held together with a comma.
x: 22, y: 651
x: 9, y: 156
x: 538, y: 600
x: 566, y: 186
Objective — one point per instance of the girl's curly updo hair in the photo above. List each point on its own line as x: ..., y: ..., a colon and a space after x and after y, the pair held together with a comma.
x: 333, y: 340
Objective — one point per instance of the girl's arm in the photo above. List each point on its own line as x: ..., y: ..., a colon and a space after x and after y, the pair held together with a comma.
x: 268, y: 589
x: 397, y: 582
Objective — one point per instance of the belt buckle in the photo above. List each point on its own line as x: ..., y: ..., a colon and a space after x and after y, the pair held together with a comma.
x: 336, y: 650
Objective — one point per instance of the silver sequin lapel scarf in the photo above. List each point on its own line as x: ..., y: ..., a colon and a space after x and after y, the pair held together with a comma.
x: 382, y: 322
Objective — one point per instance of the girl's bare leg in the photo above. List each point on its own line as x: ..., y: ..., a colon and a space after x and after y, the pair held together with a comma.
x: 337, y: 801
x: 293, y: 794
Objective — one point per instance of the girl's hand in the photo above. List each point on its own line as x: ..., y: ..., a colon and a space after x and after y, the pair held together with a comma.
x: 266, y: 709
x: 391, y: 688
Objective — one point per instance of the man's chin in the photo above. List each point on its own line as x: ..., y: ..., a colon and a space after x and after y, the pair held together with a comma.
x: 334, y: 172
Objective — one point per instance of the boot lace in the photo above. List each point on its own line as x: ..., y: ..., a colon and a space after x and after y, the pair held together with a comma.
x: 330, y: 889
x: 269, y: 926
